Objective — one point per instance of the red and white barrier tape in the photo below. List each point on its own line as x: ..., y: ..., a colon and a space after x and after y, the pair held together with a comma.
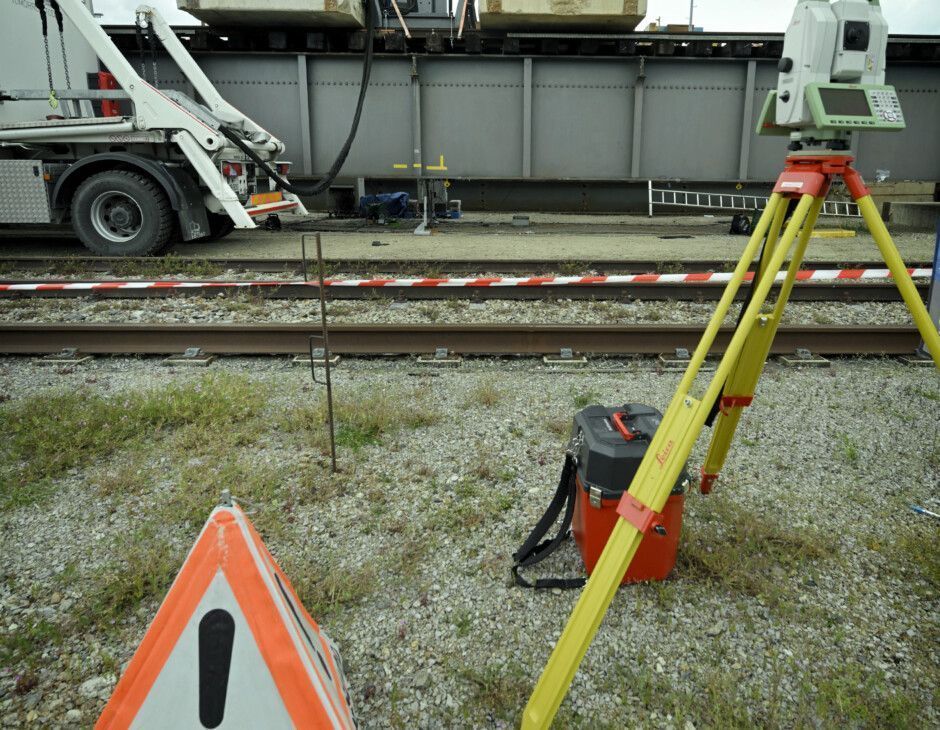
x: 536, y: 281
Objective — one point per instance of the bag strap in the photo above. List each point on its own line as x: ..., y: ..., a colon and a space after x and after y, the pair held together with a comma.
x: 533, y: 551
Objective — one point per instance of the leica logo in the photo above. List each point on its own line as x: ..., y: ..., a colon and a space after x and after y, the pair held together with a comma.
x: 664, y: 454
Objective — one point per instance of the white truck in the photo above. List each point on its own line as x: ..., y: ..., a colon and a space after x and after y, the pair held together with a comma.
x: 132, y: 167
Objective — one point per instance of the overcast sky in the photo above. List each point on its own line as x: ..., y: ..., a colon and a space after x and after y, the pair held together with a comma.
x: 904, y: 16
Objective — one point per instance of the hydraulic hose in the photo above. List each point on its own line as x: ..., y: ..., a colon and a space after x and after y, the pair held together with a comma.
x: 319, y: 187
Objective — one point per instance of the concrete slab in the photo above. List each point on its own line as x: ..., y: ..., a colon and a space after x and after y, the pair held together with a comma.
x: 923, y: 216
x: 579, y: 238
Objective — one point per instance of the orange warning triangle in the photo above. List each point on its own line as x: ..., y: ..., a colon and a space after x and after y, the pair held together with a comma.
x: 231, y: 646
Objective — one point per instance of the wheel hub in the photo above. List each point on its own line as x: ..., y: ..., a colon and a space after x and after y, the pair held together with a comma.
x: 116, y: 216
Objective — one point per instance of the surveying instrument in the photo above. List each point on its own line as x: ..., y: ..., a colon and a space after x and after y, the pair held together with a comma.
x: 831, y: 85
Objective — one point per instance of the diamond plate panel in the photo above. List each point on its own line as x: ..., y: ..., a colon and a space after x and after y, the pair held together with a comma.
x: 23, y: 194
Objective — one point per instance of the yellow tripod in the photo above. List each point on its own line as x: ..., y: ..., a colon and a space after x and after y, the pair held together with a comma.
x: 806, y: 179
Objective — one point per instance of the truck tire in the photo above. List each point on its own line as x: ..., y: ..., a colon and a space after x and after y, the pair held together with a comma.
x: 220, y: 225
x: 122, y: 213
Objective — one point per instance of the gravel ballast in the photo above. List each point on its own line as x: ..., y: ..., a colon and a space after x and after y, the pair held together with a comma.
x: 238, y: 309
x: 805, y: 592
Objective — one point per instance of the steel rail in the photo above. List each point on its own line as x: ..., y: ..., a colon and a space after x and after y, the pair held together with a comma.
x: 384, y: 339
x: 100, y: 264
x: 885, y: 291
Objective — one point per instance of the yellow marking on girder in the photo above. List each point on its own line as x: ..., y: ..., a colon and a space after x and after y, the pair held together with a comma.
x: 439, y: 167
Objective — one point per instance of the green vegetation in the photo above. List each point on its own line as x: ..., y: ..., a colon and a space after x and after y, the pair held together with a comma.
x: 143, y: 572
x: 169, y: 265
x: 855, y: 696
x: 571, y: 268
x: 498, y: 691
x: 858, y: 696
x: 463, y: 622
x: 49, y: 434
x: 727, y: 545
x: 586, y: 398
x: 361, y: 418
x: 849, y: 449
x: 182, y: 445
x: 486, y: 394
x: 915, y: 555
x: 325, y: 587
x: 22, y: 647
x: 429, y: 310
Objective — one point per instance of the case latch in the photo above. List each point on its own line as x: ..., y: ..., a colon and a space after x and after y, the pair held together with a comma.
x: 595, y: 497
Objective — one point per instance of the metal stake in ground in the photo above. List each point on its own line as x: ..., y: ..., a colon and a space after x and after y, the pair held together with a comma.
x: 324, y: 337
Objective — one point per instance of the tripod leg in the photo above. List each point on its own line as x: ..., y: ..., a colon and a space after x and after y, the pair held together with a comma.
x: 773, y: 236
x: 739, y: 392
x: 661, y: 466
x: 727, y: 297
x: 902, y: 278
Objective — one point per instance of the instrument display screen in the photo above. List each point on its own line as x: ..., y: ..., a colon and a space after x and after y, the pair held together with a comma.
x: 845, y: 102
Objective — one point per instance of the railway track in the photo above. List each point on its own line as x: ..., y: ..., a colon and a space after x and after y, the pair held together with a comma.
x: 379, y: 339
x: 131, y: 266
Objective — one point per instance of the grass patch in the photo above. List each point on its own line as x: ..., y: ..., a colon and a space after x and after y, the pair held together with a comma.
x: 21, y: 649
x: 923, y: 392
x: 485, y: 394
x: 131, y: 474
x: 200, y: 483
x: 916, y: 555
x: 849, y: 449
x: 747, y: 553
x: 429, y: 311
x: 558, y: 426
x: 586, y: 398
x: 325, y: 588
x: 144, y: 572
x: 571, y: 268
x: 362, y: 418
x: 859, y: 697
x: 170, y: 265
x: 853, y: 695
x: 49, y: 434
x: 500, y: 692
x: 462, y: 622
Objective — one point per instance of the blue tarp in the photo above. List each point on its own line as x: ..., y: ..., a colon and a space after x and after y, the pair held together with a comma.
x: 393, y: 205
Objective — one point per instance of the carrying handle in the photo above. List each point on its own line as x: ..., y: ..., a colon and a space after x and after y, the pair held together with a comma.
x: 623, y: 428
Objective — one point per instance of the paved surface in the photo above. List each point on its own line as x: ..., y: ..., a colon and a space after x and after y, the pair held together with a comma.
x: 549, y: 237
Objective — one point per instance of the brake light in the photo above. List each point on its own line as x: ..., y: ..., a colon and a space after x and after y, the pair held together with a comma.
x: 231, y: 169
x: 283, y: 168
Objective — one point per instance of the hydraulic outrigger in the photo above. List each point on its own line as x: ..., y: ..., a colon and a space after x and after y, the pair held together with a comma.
x: 826, y: 45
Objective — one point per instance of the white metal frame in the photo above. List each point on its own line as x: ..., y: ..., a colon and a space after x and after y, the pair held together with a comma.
x: 732, y: 202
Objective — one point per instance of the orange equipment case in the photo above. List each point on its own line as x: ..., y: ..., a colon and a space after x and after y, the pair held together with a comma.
x: 610, y: 444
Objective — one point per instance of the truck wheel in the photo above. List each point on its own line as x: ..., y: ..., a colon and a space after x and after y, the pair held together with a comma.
x: 122, y: 213
x: 220, y: 225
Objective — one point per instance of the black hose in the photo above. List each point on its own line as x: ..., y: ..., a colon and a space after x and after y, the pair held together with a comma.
x: 319, y: 187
